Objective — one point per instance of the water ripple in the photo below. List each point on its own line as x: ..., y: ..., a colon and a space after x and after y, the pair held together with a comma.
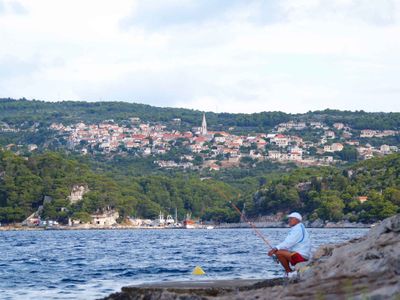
x: 92, y: 264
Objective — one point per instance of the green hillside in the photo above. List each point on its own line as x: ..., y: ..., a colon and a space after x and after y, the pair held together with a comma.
x: 24, y: 182
x: 327, y: 193
x: 27, y: 112
x: 333, y: 193
x: 133, y: 186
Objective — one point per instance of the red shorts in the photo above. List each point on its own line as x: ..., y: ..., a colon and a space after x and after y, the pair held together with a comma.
x: 296, y: 258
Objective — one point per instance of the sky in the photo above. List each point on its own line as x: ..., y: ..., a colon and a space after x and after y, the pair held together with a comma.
x: 238, y: 56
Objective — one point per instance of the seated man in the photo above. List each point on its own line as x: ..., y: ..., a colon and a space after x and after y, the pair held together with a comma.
x: 297, y: 245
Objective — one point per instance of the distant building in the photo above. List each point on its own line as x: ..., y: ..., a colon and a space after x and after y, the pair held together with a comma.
x: 329, y: 134
x: 280, y: 140
x: 389, y: 133
x: 316, y: 124
x: 327, y: 158
x: 176, y: 121
x: 385, y: 149
x: 338, y: 126
x: 134, y: 120
x: 203, y: 129
x: 367, y: 133
x: 107, y: 218
x: 274, y: 155
x: 214, y: 167
x: 32, y: 147
x: 362, y: 199
x: 347, y: 135
x: 300, y: 126
x: 333, y: 148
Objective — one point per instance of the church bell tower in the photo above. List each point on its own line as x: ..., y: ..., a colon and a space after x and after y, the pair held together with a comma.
x: 203, y: 130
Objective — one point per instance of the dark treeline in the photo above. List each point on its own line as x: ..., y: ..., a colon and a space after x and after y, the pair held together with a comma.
x: 27, y: 112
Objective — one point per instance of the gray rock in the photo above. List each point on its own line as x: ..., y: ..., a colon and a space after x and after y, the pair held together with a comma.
x: 317, y: 223
x: 363, y: 268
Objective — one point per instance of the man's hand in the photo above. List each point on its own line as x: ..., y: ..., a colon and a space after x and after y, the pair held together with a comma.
x: 272, y: 251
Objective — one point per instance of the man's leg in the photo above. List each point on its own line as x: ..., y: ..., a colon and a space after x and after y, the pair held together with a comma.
x: 284, y: 258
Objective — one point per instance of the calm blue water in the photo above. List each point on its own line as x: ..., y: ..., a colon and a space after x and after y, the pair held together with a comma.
x: 89, y: 264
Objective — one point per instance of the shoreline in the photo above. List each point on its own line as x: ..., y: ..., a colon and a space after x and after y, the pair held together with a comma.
x: 218, y: 227
x: 362, y: 268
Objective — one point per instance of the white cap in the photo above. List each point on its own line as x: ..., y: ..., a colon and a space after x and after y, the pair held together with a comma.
x: 295, y: 215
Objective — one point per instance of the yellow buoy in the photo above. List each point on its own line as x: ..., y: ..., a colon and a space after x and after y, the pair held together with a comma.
x: 198, y: 271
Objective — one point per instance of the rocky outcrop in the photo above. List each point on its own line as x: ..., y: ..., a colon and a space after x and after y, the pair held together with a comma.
x: 364, y: 268
x: 340, y: 224
x: 77, y: 193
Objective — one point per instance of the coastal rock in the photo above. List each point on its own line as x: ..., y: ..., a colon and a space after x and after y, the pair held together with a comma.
x: 363, y: 268
x: 345, y: 224
x: 318, y: 223
x: 77, y: 192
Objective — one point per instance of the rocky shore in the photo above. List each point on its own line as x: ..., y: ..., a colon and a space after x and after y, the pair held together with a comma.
x: 364, y: 268
x: 282, y: 224
x: 272, y: 224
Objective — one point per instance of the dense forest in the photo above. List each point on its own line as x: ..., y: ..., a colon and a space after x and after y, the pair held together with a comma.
x: 328, y: 193
x: 24, y: 183
x: 27, y: 112
x: 333, y: 194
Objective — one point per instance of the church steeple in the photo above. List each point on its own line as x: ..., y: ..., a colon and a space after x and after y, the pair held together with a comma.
x: 203, y: 130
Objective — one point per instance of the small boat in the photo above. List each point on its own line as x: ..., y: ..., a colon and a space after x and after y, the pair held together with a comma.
x: 169, y: 221
x: 189, y: 224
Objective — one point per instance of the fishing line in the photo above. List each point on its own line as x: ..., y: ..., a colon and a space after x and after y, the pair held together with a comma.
x: 251, y: 224
x: 246, y: 220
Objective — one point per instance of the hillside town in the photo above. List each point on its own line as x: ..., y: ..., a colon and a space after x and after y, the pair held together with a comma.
x: 203, y: 148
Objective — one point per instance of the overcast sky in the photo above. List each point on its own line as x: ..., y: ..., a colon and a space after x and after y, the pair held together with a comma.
x: 217, y: 55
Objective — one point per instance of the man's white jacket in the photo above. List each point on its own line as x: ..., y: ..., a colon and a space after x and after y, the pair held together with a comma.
x: 298, y: 240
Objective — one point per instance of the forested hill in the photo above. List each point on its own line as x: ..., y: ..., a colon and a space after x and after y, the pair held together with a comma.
x: 328, y: 193
x: 16, y: 112
x: 336, y: 194
x: 25, y: 182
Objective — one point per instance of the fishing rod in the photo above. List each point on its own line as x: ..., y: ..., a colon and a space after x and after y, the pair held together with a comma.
x: 251, y: 224
x: 245, y: 219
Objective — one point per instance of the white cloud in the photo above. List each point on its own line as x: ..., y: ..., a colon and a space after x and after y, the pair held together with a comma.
x: 238, y: 56
x: 8, y: 7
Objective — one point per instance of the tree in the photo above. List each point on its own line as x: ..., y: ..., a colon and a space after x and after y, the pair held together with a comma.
x: 392, y: 194
x: 349, y: 153
x: 198, y: 160
x: 377, y: 208
x: 331, y: 208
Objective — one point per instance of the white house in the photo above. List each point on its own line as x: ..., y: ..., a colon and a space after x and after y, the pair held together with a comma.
x: 280, y: 140
x: 330, y: 134
x: 333, y: 148
x: 385, y: 149
x: 367, y: 133
x: 338, y: 126
x: 107, y: 218
x: 274, y: 155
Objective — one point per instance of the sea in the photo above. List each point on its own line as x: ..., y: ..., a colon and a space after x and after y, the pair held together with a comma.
x: 91, y: 264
